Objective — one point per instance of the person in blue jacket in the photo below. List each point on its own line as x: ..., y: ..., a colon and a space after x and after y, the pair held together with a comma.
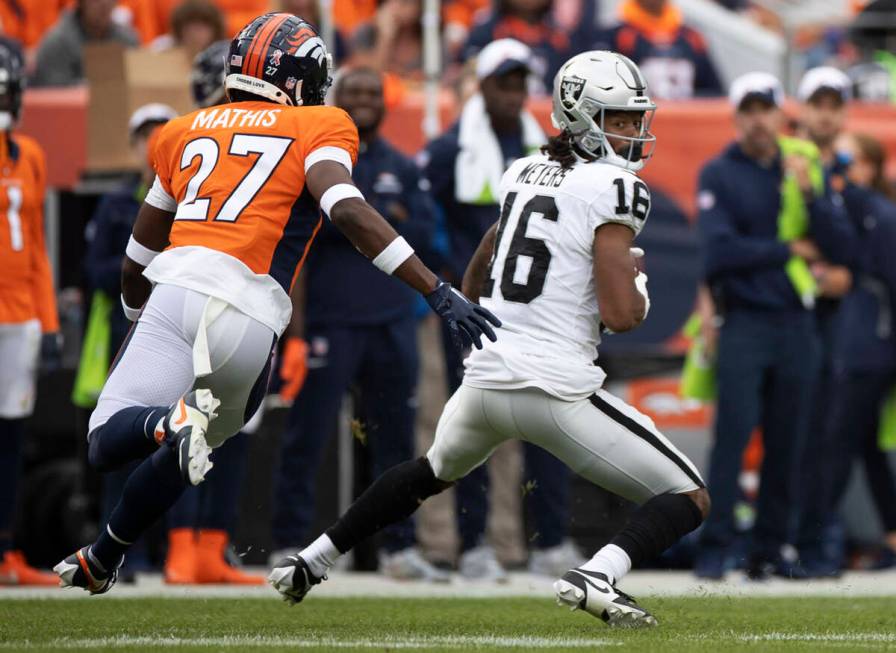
x: 865, y: 360
x: 767, y: 355
x: 361, y: 332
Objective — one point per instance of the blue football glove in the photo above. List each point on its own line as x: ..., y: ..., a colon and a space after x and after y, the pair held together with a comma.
x: 50, y: 352
x: 466, y: 321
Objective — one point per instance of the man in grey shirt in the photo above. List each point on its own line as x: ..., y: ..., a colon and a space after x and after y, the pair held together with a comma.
x: 61, y: 52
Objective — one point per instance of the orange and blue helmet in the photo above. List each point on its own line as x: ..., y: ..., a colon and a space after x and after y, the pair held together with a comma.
x: 281, y: 58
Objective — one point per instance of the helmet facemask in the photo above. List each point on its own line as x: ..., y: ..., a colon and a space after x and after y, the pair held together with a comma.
x: 594, y: 140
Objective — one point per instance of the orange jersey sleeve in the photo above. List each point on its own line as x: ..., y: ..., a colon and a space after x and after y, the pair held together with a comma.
x: 332, y: 127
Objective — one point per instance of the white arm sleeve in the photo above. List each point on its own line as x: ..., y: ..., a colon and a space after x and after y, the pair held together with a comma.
x: 159, y: 197
x: 329, y: 153
x: 337, y: 193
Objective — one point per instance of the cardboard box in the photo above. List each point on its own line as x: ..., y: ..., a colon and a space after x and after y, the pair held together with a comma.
x: 121, y: 80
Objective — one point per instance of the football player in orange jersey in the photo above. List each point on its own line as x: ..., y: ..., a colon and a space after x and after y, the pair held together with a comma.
x: 27, y: 302
x: 229, y: 209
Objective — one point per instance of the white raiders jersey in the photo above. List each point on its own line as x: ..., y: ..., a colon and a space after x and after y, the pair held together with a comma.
x: 541, y: 280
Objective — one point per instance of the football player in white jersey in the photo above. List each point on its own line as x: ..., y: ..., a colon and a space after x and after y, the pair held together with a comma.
x: 558, y: 269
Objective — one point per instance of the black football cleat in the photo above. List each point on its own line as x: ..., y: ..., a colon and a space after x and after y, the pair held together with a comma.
x: 82, y: 570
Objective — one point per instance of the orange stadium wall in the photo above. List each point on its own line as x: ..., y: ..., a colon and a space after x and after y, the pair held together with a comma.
x: 688, y: 134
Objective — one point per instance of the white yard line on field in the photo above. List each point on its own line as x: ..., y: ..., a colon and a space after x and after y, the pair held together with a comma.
x: 454, y: 642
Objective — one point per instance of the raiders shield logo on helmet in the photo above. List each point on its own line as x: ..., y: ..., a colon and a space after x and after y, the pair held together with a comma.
x: 571, y: 90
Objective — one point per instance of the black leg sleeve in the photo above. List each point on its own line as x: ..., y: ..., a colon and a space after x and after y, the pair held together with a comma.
x: 392, y: 497
x: 656, y: 526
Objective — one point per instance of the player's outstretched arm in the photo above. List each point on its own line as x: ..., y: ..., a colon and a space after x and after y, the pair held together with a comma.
x: 331, y: 185
x: 477, y: 270
x: 150, y: 236
x: 621, y: 289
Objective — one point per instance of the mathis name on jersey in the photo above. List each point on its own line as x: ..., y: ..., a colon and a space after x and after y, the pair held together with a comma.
x: 218, y: 118
x: 542, y: 174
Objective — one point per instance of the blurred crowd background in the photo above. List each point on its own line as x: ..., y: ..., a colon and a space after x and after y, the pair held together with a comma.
x: 776, y: 388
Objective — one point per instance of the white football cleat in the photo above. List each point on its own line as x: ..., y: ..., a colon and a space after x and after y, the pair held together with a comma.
x: 185, y: 427
x: 592, y: 592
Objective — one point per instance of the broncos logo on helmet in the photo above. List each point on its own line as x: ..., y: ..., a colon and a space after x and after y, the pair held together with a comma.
x: 302, y: 57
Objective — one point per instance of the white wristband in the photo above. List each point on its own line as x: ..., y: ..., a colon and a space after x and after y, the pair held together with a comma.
x: 131, y: 313
x: 395, y: 253
x: 337, y: 193
x: 138, y: 253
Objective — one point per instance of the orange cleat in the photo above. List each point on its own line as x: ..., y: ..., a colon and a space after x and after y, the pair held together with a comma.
x: 211, y: 565
x: 180, y: 563
x: 14, y: 570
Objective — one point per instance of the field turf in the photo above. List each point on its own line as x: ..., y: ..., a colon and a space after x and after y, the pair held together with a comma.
x: 377, y: 624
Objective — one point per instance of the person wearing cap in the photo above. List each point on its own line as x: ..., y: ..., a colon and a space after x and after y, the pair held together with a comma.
x: 824, y: 93
x: 107, y: 236
x: 766, y: 213
x: 342, y: 340
x: 464, y: 166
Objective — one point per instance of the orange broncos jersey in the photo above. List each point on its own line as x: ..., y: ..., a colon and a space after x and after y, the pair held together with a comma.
x: 237, y: 174
x: 26, y: 282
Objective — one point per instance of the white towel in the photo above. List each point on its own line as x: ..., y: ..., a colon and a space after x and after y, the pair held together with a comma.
x: 480, y: 163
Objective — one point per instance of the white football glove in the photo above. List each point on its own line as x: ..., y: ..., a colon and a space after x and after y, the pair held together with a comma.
x: 641, y: 285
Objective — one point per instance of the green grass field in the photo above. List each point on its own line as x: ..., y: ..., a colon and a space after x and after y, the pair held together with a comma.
x: 371, y: 624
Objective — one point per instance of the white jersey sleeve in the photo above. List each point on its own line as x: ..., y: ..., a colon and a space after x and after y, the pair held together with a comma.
x: 624, y: 199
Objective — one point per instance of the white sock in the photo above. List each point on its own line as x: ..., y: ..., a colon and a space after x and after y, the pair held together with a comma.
x: 320, y: 555
x: 611, y: 561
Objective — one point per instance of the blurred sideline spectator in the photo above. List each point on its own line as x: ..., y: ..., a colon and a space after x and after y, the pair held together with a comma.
x: 393, y: 41
x: 362, y: 341
x: 756, y: 244
x: 527, y: 21
x: 867, y: 342
x: 672, y: 56
x: 29, y: 324
x: 195, y: 25
x: 458, y: 17
x: 823, y: 93
x: 61, y: 52
x: 152, y: 18
x: 28, y: 20
x: 464, y: 166
x: 310, y: 11
x: 107, y: 237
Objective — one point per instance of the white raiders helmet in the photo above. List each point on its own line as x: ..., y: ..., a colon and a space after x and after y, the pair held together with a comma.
x: 588, y: 85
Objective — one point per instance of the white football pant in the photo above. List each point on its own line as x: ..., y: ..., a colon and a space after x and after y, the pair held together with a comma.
x: 185, y: 340
x: 600, y: 438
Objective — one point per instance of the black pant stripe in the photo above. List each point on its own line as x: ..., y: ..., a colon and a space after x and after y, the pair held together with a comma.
x: 627, y: 422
